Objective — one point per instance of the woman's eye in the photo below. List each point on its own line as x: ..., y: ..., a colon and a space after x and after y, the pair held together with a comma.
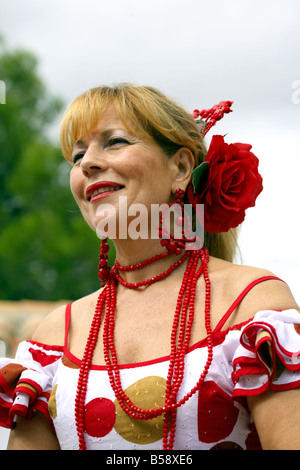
x: 116, y: 141
x: 77, y: 157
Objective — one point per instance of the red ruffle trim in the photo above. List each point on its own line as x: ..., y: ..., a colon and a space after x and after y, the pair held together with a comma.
x: 21, y: 395
x: 268, y: 358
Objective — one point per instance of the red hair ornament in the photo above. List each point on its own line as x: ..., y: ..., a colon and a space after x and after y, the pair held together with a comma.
x: 228, y: 181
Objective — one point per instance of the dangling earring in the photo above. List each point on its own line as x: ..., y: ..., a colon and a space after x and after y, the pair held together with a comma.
x: 103, y: 266
x: 168, y: 240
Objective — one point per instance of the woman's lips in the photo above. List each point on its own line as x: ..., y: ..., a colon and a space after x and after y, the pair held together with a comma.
x: 101, y: 189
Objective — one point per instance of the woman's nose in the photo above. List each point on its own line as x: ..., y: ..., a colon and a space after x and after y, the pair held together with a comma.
x: 93, y: 161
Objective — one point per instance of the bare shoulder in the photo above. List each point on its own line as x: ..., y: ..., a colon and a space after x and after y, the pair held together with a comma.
x: 271, y: 294
x: 51, y: 329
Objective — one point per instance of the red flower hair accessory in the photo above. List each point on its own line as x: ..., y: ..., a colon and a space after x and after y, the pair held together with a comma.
x: 207, y: 118
x: 228, y: 181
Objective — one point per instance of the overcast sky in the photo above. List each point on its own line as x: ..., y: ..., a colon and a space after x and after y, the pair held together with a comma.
x: 199, y: 53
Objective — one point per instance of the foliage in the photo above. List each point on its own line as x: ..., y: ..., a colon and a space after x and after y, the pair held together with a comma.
x: 47, y: 251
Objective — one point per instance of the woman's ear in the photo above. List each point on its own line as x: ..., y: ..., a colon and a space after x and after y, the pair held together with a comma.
x: 184, y: 161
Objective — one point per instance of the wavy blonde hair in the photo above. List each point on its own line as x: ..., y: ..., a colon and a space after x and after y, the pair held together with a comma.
x: 148, y: 111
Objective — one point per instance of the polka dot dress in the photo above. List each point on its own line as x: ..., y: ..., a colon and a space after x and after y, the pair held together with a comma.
x: 216, y: 417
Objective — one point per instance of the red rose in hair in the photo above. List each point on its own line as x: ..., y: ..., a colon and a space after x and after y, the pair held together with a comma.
x: 231, y: 186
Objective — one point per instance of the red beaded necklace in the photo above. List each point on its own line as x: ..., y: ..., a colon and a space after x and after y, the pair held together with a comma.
x: 180, y: 337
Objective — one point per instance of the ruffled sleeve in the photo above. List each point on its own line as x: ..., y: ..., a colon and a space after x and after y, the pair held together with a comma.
x: 268, y: 356
x: 26, y: 381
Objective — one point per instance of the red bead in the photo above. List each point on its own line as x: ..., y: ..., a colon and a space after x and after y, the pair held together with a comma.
x: 103, y: 274
x: 103, y: 262
x: 171, y: 246
x: 104, y: 247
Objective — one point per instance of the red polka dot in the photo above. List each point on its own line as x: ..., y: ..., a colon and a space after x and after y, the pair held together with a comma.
x: 217, y: 414
x: 100, y: 416
x: 252, y: 442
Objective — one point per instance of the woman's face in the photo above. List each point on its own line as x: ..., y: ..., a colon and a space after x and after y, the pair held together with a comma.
x: 112, y: 162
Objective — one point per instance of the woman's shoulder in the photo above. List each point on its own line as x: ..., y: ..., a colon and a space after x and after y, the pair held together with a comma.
x: 51, y: 330
x: 263, y: 289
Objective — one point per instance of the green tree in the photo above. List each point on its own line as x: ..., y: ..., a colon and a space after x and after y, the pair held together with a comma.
x: 47, y: 251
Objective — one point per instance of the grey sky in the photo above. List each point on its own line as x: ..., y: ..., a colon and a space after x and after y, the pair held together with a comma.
x: 199, y: 53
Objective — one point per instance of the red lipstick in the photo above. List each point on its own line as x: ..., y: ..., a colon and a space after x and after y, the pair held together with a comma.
x: 101, y: 189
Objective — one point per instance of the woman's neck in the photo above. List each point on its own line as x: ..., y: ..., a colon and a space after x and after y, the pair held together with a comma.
x: 131, y: 252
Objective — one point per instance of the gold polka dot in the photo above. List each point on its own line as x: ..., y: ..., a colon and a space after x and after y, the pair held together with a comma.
x: 52, y: 403
x: 147, y: 393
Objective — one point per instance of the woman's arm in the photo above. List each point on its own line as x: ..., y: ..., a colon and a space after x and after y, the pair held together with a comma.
x: 33, y: 434
x: 276, y: 414
x: 277, y: 419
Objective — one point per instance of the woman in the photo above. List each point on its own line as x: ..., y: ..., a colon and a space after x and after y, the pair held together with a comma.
x: 179, y: 348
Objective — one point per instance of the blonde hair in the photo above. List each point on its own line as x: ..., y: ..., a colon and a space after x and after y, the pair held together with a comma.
x: 148, y: 111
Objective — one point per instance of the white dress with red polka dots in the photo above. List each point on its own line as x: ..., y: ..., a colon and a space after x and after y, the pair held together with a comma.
x: 248, y: 359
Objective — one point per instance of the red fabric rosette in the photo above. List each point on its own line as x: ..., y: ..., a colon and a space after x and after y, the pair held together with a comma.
x: 232, y: 184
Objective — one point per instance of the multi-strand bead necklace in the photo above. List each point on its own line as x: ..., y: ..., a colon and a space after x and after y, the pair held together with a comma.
x: 180, y: 338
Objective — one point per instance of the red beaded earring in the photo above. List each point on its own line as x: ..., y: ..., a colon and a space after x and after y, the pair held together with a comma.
x: 168, y: 240
x: 103, y: 266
